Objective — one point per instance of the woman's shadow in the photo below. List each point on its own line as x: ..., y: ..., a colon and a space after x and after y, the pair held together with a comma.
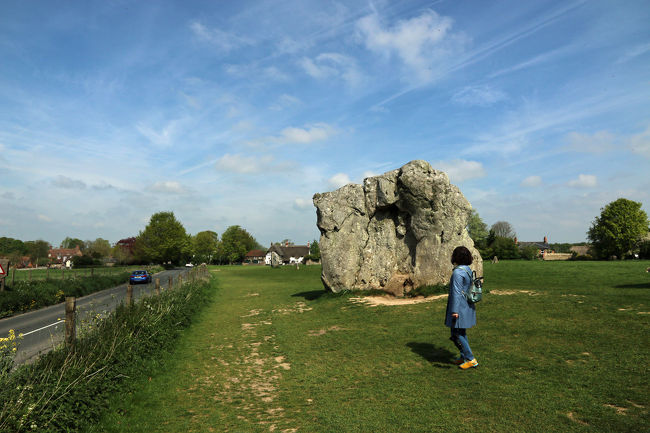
x: 438, y: 356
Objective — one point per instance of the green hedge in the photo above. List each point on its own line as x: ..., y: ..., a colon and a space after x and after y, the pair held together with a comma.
x: 68, y: 390
x: 32, y: 295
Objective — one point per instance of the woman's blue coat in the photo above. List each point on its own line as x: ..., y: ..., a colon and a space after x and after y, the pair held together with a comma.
x: 456, y: 303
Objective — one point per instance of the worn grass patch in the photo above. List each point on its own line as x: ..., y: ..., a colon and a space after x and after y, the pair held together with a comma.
x: 562, y: 348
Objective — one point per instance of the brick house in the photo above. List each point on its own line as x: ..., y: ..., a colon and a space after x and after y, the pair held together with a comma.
x: 63, y: 256
x: 254, y: 257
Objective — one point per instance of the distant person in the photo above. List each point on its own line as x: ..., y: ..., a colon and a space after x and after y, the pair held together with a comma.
x: 460, y: 314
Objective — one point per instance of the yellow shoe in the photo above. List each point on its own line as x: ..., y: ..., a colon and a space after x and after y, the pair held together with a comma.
x: 469, y: 364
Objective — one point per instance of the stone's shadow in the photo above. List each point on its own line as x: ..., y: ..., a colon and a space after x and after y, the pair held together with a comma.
x: 310, y: 295
x: 438, y: 356
x: 634, y: 286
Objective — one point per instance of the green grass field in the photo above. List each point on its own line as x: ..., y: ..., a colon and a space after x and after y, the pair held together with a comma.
x: 57, y: 274
x: 562, y: 346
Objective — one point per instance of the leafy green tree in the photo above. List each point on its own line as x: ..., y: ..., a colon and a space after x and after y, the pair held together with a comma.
x: 98, y: 248
x: 235, y: 243
x: 504, y: 248
x: 529, y: 253
x: 10, y: 246
x: 503, y: 229
x: 69, y: 242
x: 163, y: 240
x: 476, y: 228
x: 37, y: 251
x: 314, y: 250
x: 619, y: 229
x: 205, y: 246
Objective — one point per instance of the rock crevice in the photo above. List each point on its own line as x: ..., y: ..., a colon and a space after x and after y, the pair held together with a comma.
x: 395, y: 232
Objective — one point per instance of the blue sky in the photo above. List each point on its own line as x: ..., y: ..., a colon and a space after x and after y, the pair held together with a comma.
x: 238, y: 112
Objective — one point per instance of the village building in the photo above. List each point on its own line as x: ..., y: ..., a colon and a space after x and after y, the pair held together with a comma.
x: 255, y: 257
x: 287, y: 254
x: 63, y: 256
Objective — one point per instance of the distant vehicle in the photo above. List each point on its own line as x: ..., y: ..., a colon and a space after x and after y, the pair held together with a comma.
x: 189, y: 265
x: 139, y: 277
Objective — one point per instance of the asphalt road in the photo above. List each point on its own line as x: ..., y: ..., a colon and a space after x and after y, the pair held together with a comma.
x: 44, y: 329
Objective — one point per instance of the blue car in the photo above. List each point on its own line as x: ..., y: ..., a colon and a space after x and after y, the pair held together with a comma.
x: 140, y: 277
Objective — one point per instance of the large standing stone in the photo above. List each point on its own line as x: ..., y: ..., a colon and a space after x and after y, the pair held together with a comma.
x: 395, y: 232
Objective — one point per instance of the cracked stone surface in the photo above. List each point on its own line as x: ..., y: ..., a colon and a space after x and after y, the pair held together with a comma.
x: 395, y: 232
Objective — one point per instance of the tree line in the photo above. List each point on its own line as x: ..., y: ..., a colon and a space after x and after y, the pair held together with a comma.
x: 163, y: 241
x: 620, y: 231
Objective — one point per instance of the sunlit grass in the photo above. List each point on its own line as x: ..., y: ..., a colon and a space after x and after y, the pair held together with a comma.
x: 562, y: 346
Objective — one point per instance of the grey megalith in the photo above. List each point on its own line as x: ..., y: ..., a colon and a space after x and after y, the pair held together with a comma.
x: 395, y: 232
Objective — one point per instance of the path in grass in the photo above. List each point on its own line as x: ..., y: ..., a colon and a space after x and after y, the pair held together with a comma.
x: 272, y: 353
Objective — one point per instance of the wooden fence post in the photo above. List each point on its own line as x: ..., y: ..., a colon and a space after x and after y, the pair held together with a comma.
x: 171, y: 282
x: 70, y: 328
x: 47, y: 274
x: 13, y: 278
x: 129, y: 294
x: 157, y: 286
x: 180, y: 280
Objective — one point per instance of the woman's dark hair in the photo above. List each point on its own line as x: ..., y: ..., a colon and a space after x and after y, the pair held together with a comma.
x: 461, y: 256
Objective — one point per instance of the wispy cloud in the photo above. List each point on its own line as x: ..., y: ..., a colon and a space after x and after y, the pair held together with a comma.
x: 481, y: 96
x: 68, y: 183
x: 333, y: 65
x: 584, y: 181
x: 168, y: 187
x: 245, y: 164
x: 338, y: 180
x: 532, y: 181
x: 460, y: 170
x: 640, y: 143
x: 634, y: 52
x: 598, y: 142
x: 218, y: 38
x: 421, y: 43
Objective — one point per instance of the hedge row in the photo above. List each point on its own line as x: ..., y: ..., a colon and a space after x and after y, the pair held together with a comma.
x: 68, y: 390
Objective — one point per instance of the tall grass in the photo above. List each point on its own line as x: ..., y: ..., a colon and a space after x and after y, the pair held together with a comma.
x: 67, y: 389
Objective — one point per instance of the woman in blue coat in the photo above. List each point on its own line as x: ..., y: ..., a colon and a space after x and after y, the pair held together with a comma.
x: 461, y: 314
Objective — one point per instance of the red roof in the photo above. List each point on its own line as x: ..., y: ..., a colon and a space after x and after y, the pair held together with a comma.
x: 255, y: 253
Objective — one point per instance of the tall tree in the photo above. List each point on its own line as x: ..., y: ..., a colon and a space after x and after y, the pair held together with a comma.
x: 476, y: 228
x: 69, y: 242
x: 619, y: 229
x: 503, y: 229
x: 205, y: 246
x: 314, y: 250
x: 37, y: 251
x: 98, y: 248
x: 164, y: 240
x: 235, y: 243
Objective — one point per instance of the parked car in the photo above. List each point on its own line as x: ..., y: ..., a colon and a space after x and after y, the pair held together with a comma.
x: 189, y: 265
x: 138, y: 277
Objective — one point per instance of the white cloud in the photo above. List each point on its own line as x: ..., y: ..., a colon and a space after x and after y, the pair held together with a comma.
x: 332, y: 65
x: 316, y: 132
x: 338, y: 180
x: 481, y: 96
x: 44, y: 218
x: 368, y: 173
x: 163, y: 137
x: 285, y: 101
x: 640, y: 143
x: 301, y: 203
x: 68, y: 183
x: 598, y: 142
x: 243, y: 164
x: 532, y: 181
x: 223, y: 41
x: 168, y: 187
x: 421, y: 43
x: 584, y: 181
x: 460, y: 170
x: 633, y: 52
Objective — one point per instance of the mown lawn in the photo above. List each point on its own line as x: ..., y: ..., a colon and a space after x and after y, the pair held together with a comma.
x: 562, y: 346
